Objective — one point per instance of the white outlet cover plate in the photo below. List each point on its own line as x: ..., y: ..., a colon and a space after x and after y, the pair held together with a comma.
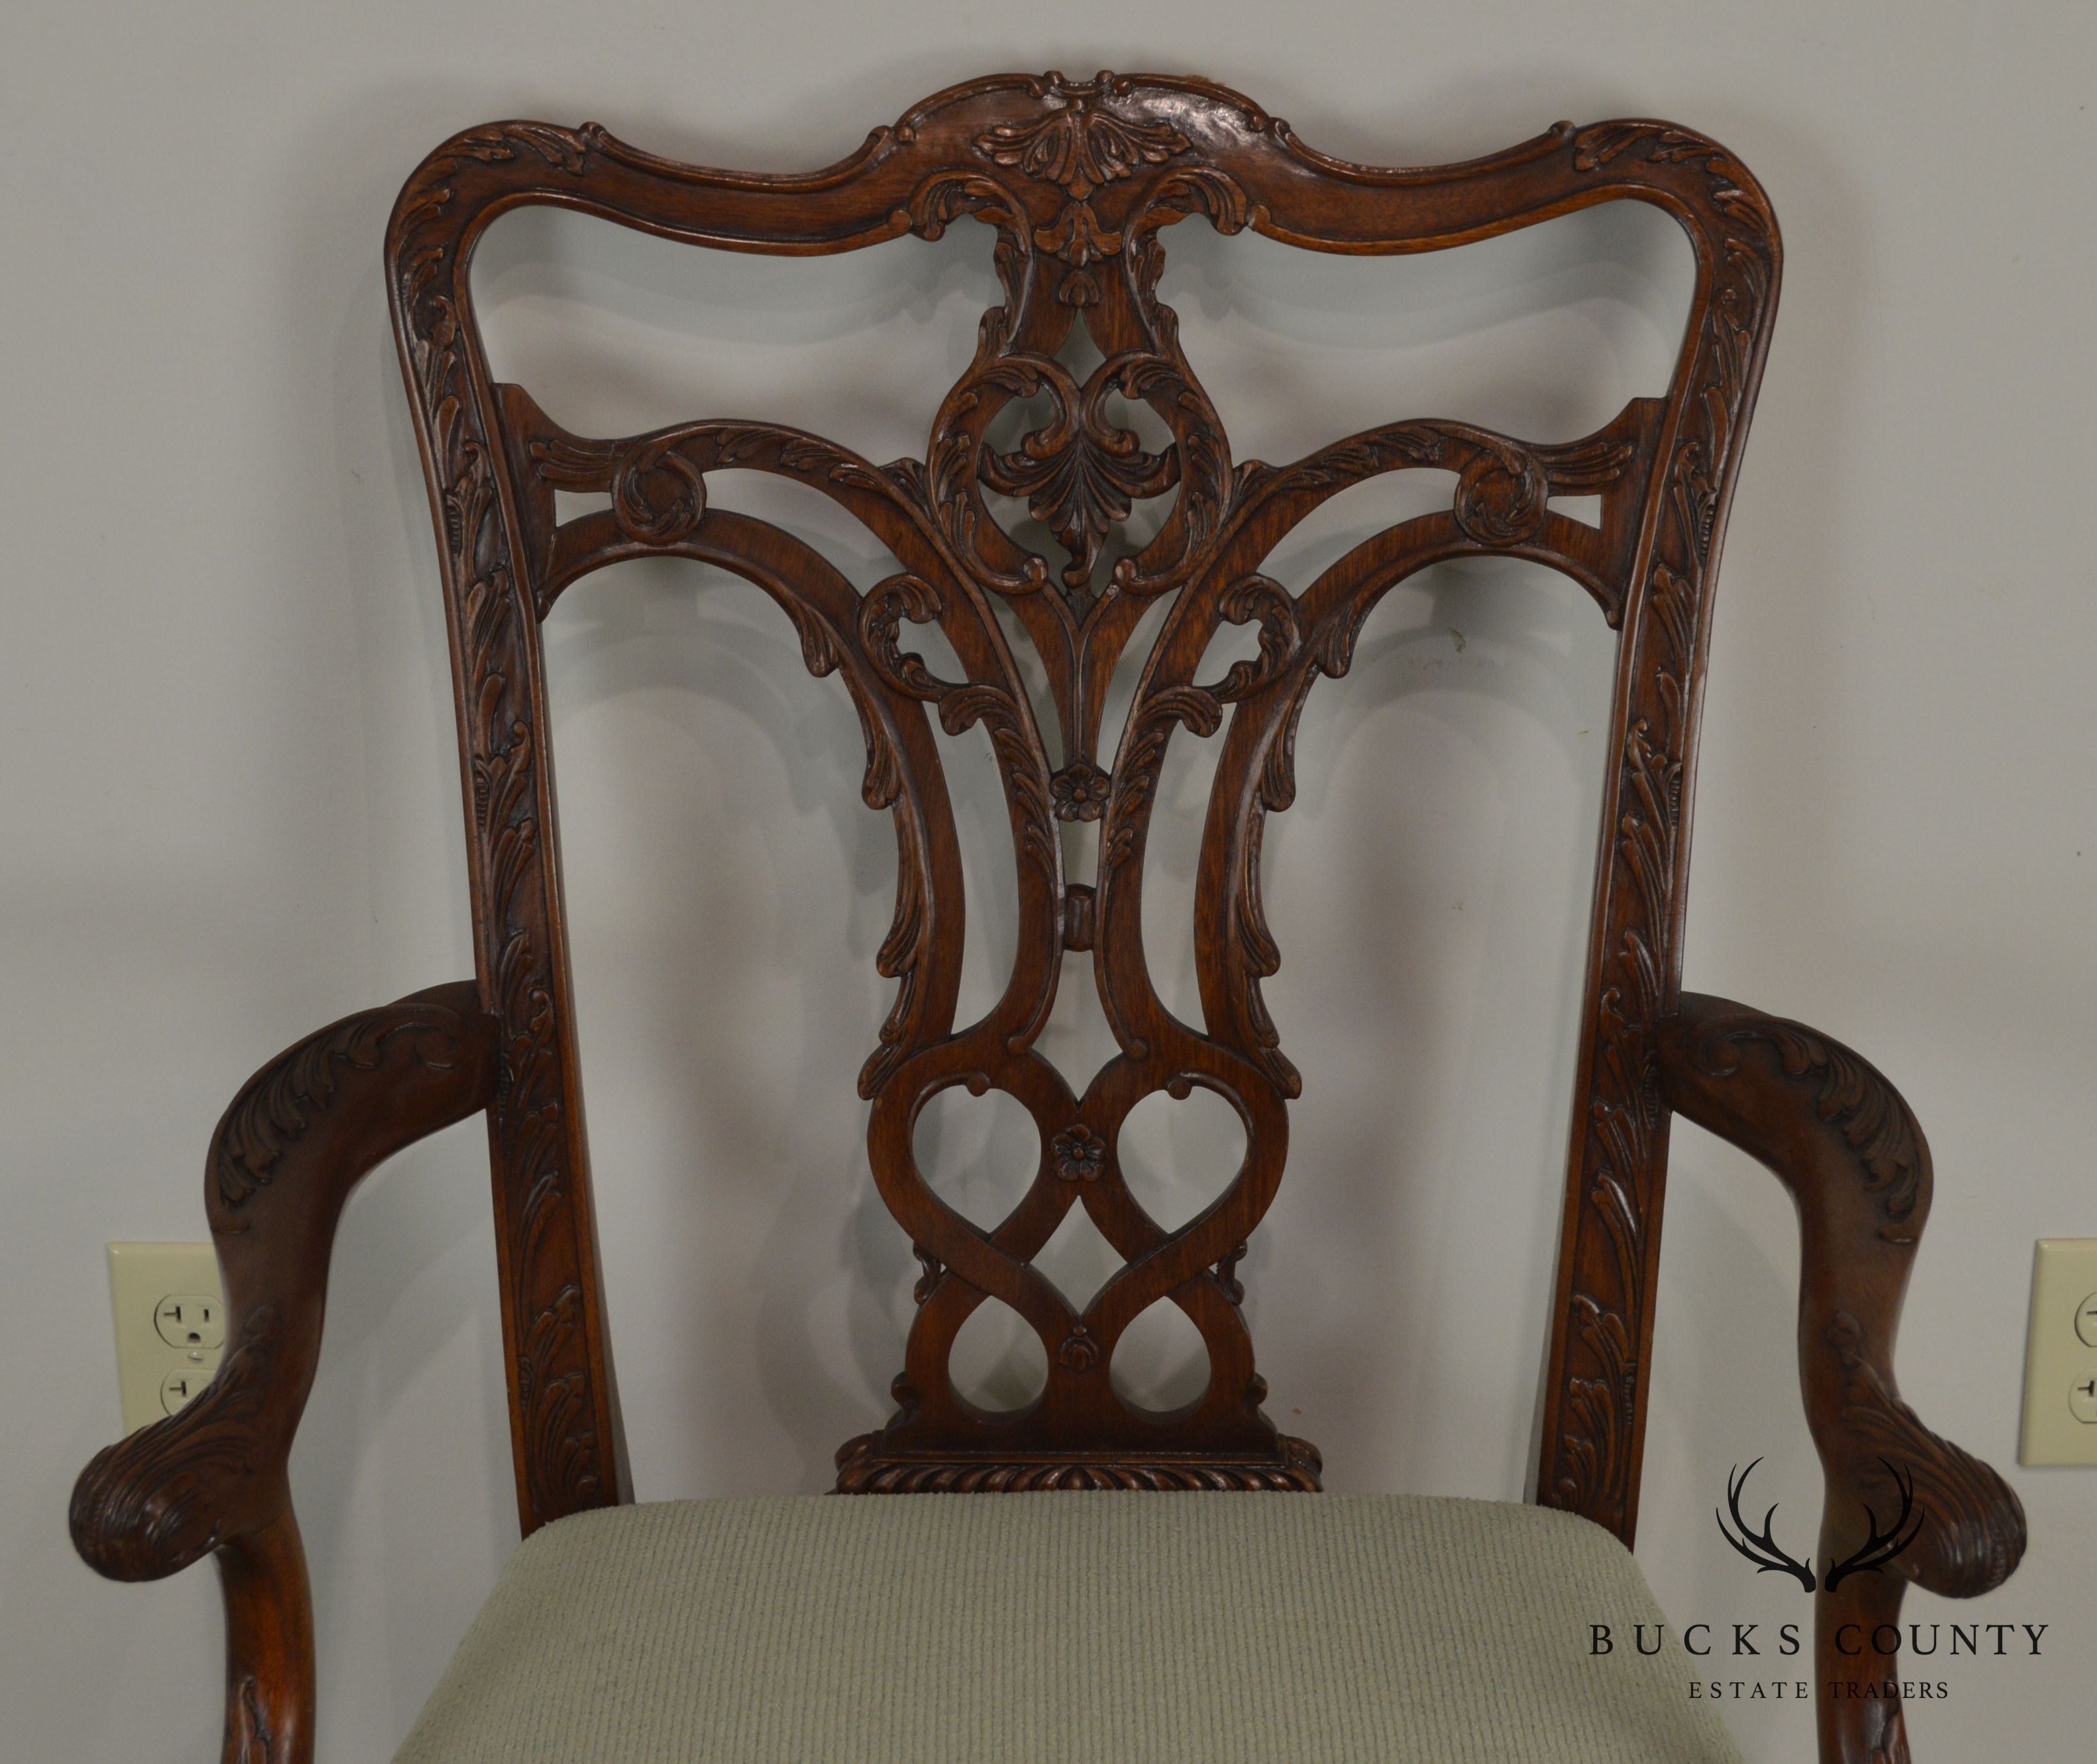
x: 2059, y: 1359
x: 141, y: 1275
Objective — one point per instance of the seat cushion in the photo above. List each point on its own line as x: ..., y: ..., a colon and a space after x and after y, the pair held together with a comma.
x: 1063, y: 1629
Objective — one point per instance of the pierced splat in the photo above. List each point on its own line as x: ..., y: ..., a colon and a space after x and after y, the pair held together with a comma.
x: 1080, y: 182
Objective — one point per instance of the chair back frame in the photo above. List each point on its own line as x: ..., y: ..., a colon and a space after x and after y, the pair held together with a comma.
x: 1080, y: 179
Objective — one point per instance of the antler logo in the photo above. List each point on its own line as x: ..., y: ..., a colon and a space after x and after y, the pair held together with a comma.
x: 1760, y: 1546
x: 1878, y: 1548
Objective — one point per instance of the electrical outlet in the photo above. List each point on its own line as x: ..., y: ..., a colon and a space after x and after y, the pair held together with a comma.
x: 2060, y: 1355
x: 170, y: 1316
x: 191, y: 1320
x: 180, y: 1389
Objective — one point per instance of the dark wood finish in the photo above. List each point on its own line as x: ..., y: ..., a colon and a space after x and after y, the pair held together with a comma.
x: 1079, y: 180
x: 300, y: 1134
x: 1846, y: 1145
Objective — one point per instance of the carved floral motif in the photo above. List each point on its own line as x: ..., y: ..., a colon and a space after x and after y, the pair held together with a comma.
x: 1081, y: 474
x: 1080, y: 791
x: 1080, y: 1154
x: 1078, y: 144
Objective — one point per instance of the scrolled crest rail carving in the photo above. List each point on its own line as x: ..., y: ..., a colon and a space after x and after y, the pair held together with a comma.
x: 1079, y: 181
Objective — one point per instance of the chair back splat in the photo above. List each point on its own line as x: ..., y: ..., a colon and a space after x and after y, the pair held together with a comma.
x: 1081, y: 180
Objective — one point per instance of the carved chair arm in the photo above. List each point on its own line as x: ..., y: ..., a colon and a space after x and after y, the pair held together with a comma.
x: 297, y: 1139
x: 1902, y: 1503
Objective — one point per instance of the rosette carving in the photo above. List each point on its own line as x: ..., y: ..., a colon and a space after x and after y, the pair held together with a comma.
x: 1500, y: 495
x: 1080, y: 1153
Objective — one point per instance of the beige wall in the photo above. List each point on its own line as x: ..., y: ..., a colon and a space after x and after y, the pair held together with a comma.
x: 231, y: 807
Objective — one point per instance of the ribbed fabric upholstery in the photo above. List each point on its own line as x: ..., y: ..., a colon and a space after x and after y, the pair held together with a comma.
x: 1065, y: 1629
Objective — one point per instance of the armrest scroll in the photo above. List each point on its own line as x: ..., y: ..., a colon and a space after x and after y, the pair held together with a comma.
x: 297, y: 1139
x: 1902, y: 1503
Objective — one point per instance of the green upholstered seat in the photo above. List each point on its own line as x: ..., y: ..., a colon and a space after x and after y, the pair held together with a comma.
x: 1065, y: 1629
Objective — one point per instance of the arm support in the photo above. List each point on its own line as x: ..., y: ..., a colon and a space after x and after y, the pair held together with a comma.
x: 300, y: 1134
x: 1843, y: 1142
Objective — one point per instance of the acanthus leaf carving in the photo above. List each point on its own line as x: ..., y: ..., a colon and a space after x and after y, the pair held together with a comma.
x: 898, y: 959
x: 1500, y: 495
x: 1198, y: 189
x: 998, y: 709
x: 1591, y: 1470
x: 276, y: 1107
x: 153, y: 1503
x: 1078, y: 144
x: 1257, y: 599
x: 883, y: 608
x: 1735, y: 194
x: 658, y: 494
x: 1078, y: 238
x: 1636, y: 967
x: 1970, y: 1535
x: 1080, y: 476
x: 1852, y: 1097
x: 495, y: 660
x: 564, y: 1454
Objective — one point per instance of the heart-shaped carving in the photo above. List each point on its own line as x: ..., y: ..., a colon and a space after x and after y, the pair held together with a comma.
x: 1177, y: 1154
x: 978, y: 1154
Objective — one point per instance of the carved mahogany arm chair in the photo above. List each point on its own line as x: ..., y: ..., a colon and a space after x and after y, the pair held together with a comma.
x: 1001, y: 1621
